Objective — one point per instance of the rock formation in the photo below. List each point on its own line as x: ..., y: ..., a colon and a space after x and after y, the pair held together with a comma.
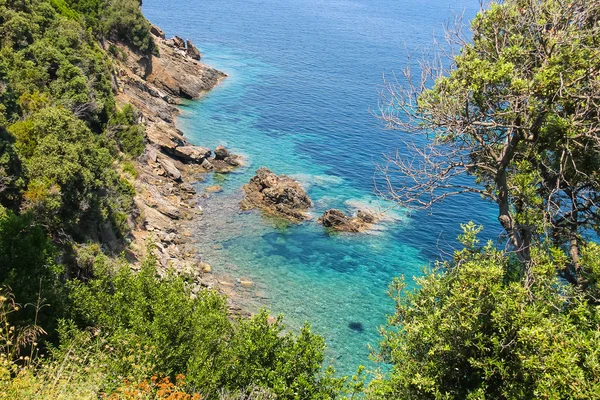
x: 340, y: 221
x: 224, y: 162
x: 193, y: 51
x: 156, y: 31
x: 276, y: 195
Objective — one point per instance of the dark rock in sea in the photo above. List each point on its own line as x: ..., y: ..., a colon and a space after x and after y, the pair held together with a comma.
x: 340, y: 221
x: 276, y: 195
x: 356, y: 326
x: 156, y: 31
x: 193, y: 51
x: 225, y: 162
x: 366, y: 217
x: 221, y: 153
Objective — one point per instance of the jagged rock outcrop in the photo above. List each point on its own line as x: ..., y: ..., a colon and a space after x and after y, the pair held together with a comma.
x: 193, y: 51
x: 340, y: 221
x: 178, y: 42
x: 178, y: 74
x: 224, y: 161
x: 156, y: 31
x: 276, y: 195
x: 191, y: 154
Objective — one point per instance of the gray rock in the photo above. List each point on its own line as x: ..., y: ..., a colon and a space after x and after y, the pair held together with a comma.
x: 207, y: 165
x: 170, y: 168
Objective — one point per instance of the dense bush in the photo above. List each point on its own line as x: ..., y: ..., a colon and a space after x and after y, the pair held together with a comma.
x: 129, y: 135
x: 193, y: 335
x: 29, y: 269
x: 477, y: 328
x: 118, y: 20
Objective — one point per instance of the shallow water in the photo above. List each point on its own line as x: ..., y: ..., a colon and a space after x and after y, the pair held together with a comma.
x: 303, y: 77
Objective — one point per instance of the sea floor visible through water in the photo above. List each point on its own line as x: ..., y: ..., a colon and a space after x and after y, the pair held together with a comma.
x: 304, y: 79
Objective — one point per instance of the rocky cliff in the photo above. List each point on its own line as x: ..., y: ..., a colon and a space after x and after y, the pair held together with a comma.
x: 167, y: 201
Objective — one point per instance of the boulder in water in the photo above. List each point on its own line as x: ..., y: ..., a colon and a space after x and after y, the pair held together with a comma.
x: 276, y: 195
x: 340, y: 221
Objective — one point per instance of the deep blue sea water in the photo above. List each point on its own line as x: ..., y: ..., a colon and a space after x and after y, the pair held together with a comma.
x: 303, y: 79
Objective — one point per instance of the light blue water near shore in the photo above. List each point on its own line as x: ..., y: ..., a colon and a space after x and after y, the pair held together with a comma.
x: 303, y: 75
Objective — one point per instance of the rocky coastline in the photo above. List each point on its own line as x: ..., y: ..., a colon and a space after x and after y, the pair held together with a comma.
x: 167, y: 202
x: 168, y: 205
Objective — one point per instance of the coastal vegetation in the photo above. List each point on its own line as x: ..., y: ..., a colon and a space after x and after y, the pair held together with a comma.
x: 511, y: 116
x: 76, y: 321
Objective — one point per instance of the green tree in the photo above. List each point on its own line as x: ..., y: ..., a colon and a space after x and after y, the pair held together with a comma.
x: 516, y: 109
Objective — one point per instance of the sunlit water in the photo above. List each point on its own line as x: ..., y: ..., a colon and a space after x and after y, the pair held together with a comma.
x: 303, y: 79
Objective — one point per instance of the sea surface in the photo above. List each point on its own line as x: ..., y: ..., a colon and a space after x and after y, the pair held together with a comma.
x: 304, y: 81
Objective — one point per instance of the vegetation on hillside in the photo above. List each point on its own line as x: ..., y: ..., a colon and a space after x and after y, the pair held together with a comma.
x: 75, y: 321
x: 515, y: 110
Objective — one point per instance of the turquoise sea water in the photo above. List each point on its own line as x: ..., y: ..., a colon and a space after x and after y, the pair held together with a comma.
x: 303, y: 77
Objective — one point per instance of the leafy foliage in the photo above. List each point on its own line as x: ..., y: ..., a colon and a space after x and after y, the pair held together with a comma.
x: 515, y: 108
x: 118, y: 20
x: 129, y: 135
x: 476, y: 328
x: 195, y: 337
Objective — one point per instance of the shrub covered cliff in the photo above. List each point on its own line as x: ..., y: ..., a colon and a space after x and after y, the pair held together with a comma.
x: 77, y: 322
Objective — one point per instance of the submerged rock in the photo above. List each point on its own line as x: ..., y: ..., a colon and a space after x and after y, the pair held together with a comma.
x: 356, y: 326
x: 276, y: 195
x: 205, y: 267
x: 214, y: 189
x: 340, y: 221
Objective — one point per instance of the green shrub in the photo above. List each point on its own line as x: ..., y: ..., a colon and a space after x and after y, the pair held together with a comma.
x: 195, y: 337
x: 130, y: 135
x: 475, y: 329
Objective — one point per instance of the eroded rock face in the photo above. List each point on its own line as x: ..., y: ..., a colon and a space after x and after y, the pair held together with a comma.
x: 193, y: 51
x: 178, y: 74
x: 276, y: 195
x: 340, y: 221
x: 156, y: 31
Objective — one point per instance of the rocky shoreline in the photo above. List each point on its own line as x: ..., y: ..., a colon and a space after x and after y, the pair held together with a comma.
x: 168, y: 206
x: 166, y: 200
